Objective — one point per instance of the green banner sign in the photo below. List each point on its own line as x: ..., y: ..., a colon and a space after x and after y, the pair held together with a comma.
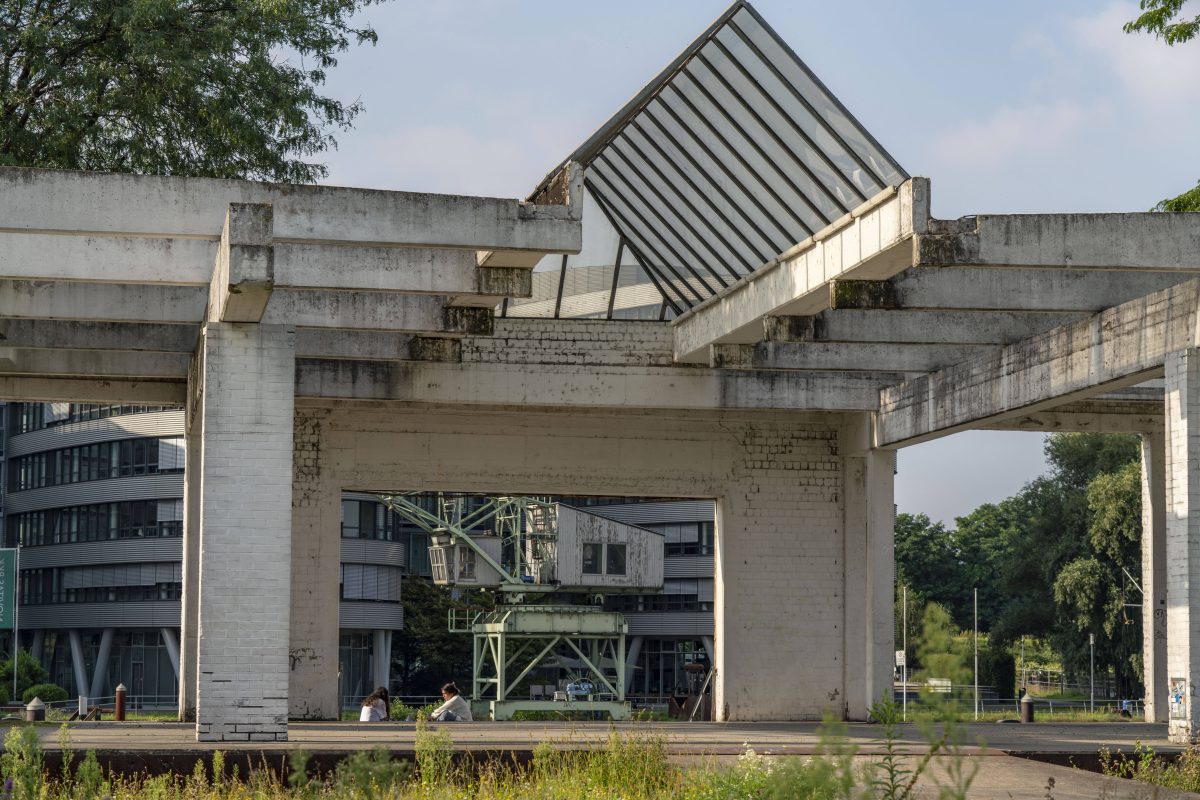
x: 8, y: 588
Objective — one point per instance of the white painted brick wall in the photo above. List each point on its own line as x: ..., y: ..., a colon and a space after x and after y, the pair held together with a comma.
x: 245, y: 533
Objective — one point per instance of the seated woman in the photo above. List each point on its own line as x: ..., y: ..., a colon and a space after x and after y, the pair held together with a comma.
x: 455, y: 709
x: 375, y: 706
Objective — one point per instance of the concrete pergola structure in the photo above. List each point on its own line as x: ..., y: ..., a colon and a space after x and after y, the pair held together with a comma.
x: 330, y: 339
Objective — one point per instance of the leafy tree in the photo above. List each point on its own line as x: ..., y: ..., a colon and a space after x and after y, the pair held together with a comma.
x: 430, y: 654
x: 186, y: 87
x: 940, y: 651
x: 29, y: 673
x: 1164, y: 19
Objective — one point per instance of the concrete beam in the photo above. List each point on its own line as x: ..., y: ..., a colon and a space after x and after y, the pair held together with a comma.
x: 375, y: 346
x: 1082, y: 241
x: 84, y: 202
x: 1120, y: 346
x: 872, y: 242
x: 244, y: 274
x: 106, y: 259
x: 982, y: 289
x: 386, y: 311
x: 869, y: 357
x: 93, y: 363
x: 101, y: 301
x: 1092, y: 415
x: 52, y: 334
x: 554, y: 386
x: 944, y: 327
x: 29, y: 389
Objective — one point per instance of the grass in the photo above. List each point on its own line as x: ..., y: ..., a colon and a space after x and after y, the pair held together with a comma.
x: 1145, y: 766
x: 626, y: 767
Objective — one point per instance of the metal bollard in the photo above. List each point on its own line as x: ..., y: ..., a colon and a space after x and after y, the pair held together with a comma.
x: 119, y: 710
x: 35, y: 711
x: 1026, y: 709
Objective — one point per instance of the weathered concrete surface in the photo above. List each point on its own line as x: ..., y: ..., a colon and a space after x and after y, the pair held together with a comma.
x: 1154, y: 576
x: 93, y: 364
x: 53, y: 334
x: 1122, y: 345
x: 90, y: 390
x: 243, y: 276
x: 1094, y: 241
x: 944, y: 328
x: 853, y: 356
x: 102, y: 301
x: 868, y: 243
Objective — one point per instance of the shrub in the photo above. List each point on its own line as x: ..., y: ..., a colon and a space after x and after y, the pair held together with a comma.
x: 46, y: 692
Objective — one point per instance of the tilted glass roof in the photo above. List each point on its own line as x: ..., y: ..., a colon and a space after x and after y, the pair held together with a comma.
x: 733, y: 154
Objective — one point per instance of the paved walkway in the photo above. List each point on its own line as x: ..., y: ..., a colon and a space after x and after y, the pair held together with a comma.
x: 1001, y: 774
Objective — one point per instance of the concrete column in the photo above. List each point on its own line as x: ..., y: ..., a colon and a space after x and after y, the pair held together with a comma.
x: 189, y: 627
x: 1154, y: 577
x: 39, y: 644
x: 380, y: 656
x: 779, y: 583
x: 100, y: 670
x: 316, y: 560
x: 248, y: 373
x: 1182, y: 451
x: 710, y: 649
x: 78, y: 662
x: 172, y: 645
x: 633, y: 650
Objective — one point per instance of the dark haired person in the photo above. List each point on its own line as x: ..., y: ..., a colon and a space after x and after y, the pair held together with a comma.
x: 455, y: 709
x: 375, y: 706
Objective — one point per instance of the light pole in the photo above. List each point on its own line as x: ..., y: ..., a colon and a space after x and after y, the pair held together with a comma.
x: 1092, y: 681
x: 977, y: 654
x: 904, y: 664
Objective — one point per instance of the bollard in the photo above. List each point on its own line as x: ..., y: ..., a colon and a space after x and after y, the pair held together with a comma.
x: 119, y: 710
x: 35, y: 711
x: 1026, y: 709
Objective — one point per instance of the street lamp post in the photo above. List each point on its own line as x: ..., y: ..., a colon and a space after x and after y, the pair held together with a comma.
x: 1092, y: 681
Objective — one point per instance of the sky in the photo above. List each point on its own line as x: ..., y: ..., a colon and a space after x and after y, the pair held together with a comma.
x: 1012, y: 106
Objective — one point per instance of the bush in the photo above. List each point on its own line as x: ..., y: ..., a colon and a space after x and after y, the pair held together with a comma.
x: 46, y: 692
x: 29, y: 672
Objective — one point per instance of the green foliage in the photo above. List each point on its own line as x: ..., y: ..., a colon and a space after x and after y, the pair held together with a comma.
x: 370, y: 774
x: 1144, y: 765
x: 1162, y: 18
x: 430, y: 653
x: 183, y: 87
x: 22, y: 763
x: 46, y: 692
x: 1188, y: 201
x: 435, y: 754
x: 942, y: 654
x: 29, y: 673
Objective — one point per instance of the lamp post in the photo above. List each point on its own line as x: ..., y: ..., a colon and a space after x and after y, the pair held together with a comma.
x: 1092, y: 680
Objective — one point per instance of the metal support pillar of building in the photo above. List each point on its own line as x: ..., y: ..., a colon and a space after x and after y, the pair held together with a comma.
x: 1182, y: 451
x: 100, y: 668
x: 78, y: 662
x: 633, y: 650
x: 1154, y: 576
x: 172, y: 645
x: 39, y: 644
x: 381, y: 658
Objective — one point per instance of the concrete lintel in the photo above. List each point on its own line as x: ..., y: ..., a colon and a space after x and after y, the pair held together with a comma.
x: 66, y: 201
x: 554, y: 386
x: 1120, y: 346
x: 855, y: 356
x: 384, y: 311
x: 872, y: 242
x: 983, y: 289
x: 106, y: 259
x: 53, y: 334
x: 93, y: 363
x: 945, y: 327
x: 244, y: 272
x: 40, y: 389
x: 101, y: 301
x: 1081, y: 241
x: 424, y: 270
x: 1092, y: 415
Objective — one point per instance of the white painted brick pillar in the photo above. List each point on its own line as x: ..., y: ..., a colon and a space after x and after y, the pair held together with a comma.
x: 870, y: 575
x: 189, y: 616
x: 1183, y: 542
x: 245, y: 531
x: 1154, y: 576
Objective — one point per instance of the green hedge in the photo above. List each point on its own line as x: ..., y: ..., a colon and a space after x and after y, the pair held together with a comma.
x: 46, y: 692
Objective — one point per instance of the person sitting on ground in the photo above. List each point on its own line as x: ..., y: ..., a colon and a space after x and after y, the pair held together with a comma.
x: 375, y: 706
x: 455, y: 709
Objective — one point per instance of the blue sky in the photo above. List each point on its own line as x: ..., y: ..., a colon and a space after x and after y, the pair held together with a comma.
x: 1007, y: 106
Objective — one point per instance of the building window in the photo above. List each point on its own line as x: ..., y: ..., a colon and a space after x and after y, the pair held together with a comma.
x: 591, y: 557
x: 92, y: 462
x: 614, y: 562
x: 135, y: 519
x: 466, y: 563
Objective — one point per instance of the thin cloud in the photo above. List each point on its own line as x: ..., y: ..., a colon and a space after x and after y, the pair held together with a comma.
x: 1013, y: 132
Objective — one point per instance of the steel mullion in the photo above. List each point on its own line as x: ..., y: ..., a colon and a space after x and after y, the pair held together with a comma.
x: 787, y: 208
x: 649, y: 115
x: 612, y: 294
x: 737, y: 255
x: 753, y: 143
x: 650, y: 207
x: 705, y: 196
x: 737, y: 63
x: 611, y: 213
x: 665, y: 263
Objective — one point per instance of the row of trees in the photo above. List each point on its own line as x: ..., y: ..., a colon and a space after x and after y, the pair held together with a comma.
x: 1059, y: 560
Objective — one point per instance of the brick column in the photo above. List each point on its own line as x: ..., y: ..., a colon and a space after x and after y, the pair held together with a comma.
x: 1183, y: 542
x: 245, y: 531
x: 189, y: 616
x: 1154, y: 577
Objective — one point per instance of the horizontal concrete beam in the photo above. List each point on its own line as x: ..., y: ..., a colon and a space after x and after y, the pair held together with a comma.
x: 943, y: 327
x: 868, y: 357
x: 48, y: 390
x: 93, y: 363
x: 244, y: 274
x: 98, y: 203
x: 871, y: 242
x: 1120, y: 346
x: 374, y: 346
x: 102, y: 301
x: 553, y: 386
x: 1094, y: 416
x: 70, y: 335
x: 384, y: 311
x: 1080, y: 241
x: 982, y: 289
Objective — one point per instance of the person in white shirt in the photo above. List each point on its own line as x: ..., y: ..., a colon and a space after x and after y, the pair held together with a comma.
x: 375, y: 706
x: 455, y: 709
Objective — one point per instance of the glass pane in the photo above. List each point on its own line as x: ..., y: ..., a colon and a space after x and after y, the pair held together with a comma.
x: 591, y: 558
x: 616, y: 559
